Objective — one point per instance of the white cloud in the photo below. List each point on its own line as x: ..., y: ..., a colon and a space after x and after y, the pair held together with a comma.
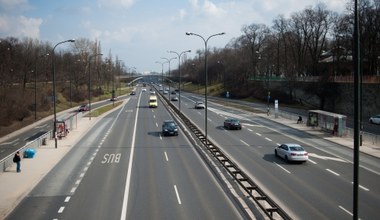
x: 13, y: 4
x: 20, y: 26
x: 115, y: 3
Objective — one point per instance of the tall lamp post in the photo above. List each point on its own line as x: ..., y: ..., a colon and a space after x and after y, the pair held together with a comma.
x: 206, y: 52
x: 54, y: 95
x: 168, y: 60
x: 89, y: 82
x: 179, y: 72
x: 162, y: 71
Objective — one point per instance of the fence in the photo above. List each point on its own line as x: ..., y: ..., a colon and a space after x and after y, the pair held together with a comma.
x: 8, y: 161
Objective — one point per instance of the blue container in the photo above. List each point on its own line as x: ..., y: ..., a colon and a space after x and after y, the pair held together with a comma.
x: 29, y: 153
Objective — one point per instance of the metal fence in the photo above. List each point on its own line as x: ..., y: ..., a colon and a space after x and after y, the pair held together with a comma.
x: 8, y: 161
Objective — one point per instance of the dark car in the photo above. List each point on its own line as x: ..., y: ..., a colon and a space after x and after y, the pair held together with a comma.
x: 169, y: 127
x: 133, y: 93
x: 83, y: 108
x: 173, y: 92
x: 232, y: 123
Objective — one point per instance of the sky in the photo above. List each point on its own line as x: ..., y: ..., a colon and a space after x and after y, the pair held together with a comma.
x: 140, y: 32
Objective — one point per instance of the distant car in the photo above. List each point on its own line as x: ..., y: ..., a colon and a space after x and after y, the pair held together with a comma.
x: 169, y: 127
x: 83, y: 108
x: 199, y: 105
x: 173, y: 92
x: 232, y: 123
x: 166, y: 92
x: 152, y: 92
x: 174, y: 98
x: 291, y: 152
x: 143, y: 90
x: 133, y: 93
x: 113, y: 99
x: 375, y: 119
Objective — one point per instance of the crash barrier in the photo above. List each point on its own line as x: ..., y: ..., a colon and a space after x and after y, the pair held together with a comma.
x: 41, y: 140
x: 266, y: 204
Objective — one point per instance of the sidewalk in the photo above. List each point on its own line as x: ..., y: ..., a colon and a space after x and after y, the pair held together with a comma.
x: 367, y: 148
x: 15, y: 186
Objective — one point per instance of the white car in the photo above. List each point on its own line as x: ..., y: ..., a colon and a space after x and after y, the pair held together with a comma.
x: 375, y: 119
x: 291, y: 152
x: 143, y: 90
x: 199, y: 105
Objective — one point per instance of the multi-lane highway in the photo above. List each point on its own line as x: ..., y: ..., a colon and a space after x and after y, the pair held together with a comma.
x: 124, y: 169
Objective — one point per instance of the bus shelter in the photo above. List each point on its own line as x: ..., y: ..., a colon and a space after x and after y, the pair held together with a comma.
x: 328, y: 121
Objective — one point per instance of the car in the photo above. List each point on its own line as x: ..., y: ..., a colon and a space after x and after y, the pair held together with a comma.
x: 173, y: 92
x: 174, y: 98
x: 143, y: 90
x: 153, y: 101
x: 232, y: 123
x: 169, y: 127
x: 166, y: 92
x: 291, y: 152
x: 113, y: 99
x: 199, y: 105
x: 375, y: 119
x: 133, y: 93
x: 83, y: 108
x: 152, y: 92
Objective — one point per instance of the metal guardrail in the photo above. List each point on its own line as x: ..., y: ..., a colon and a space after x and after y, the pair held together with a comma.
x: 267, y: 205
x: 8, y: 161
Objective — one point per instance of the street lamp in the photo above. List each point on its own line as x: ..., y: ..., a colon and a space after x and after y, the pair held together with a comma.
x: 162, y: 71
x: 89, y: 81
x: 54, y: 95
x: 206, y: 51
x: 179, y: 72
x: 168, y: 60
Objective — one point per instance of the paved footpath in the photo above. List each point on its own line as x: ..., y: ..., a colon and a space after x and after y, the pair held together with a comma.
x: 15, y: 186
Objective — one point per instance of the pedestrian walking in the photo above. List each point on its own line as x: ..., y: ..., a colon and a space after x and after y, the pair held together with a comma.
x: 17, y: 160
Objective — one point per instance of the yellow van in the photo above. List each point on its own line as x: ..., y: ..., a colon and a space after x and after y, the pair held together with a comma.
x: 153, y: 101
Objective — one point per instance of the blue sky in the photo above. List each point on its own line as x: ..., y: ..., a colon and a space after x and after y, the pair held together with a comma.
x: 140, y: 32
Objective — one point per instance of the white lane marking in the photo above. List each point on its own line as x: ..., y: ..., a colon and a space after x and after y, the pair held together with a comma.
x: 362, y: 187
x: 73, y: 190
x: 41, y: 126
x: 348, y: 212
x: 77, y: 182
x: 89, y: 163
x: 124, y: 206
x: 160, y: 136
x: 11, y: 142
x: 258, y: 134
x: 199, y: 113
x: 244, y: 143
x: 156, y: 125
x: 154, y: 116
x: 92, y: 158
x: 209, y: 120
x: 60, y: 210
x: 249, y: 129
x: 335, y: 173
x: 85, y: 169
x: 176, y: 192
x: 268, y: 139
x: 313, y: 162
x: 282, y: 167
x: 327, y: 158
x: 278, y: 144
x: 67, y: 199
x: 81, y: 175
x: 166, y: 156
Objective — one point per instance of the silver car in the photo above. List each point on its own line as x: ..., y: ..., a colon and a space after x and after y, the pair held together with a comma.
x: 375, y: 119
x: 199, y: 105
x: 291, y: 152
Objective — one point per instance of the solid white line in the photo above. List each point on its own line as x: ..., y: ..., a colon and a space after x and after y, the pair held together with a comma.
x: 166, y: 156
x: 348, y: 212
x: 67, y: 199
x: 176, y: 192
x: 244, y: 143
x: 268, y: 139
x: 61, y: 209
x: 337, y: 174
x: 282, y: 167
x: 124, y: 207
